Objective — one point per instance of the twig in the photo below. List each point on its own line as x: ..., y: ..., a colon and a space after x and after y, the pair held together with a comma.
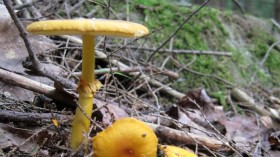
x: 263, y: 60
x: 37, y: 87
x: 31, y: 117
x: 35, y: 61
x: 268, y: 52
x: 195, y: 141
x: 249, y: 103
x: 197, y: 52
x: 132, y: 69
x: 177, y: 136
x: 176, y: 31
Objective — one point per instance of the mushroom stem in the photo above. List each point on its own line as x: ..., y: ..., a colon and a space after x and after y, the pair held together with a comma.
x: 88, y: 64
x: 86, y: 89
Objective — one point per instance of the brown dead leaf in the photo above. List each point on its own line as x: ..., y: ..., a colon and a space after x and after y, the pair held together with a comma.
x: 11, y: 136
x: 192, y: 118
x: 202, y: 108
x: 200, y: 96
x: 110, y: 111
x: 244, y: 131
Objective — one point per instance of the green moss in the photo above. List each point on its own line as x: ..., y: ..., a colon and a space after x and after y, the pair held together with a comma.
x: 272, y: 64
x: 260, y: 42
x: 221, y: 96
x: 207, y: 31
x: 203, y: 32
x: 149, y: 2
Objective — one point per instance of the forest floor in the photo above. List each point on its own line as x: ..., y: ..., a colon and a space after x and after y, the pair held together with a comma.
x: 202, y: 79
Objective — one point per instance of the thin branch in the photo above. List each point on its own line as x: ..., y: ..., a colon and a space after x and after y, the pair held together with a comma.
x: 31, y: 117
x: 263, y: 60
x: 196, y: 52
x: 268, y: 52
x: 181, y: 137
x: 132, y: 69
x: 248, y: 102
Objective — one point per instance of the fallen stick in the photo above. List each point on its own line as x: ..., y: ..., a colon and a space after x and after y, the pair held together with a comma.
x: 132, y: 69
x: 31, y: 118
x: 163, y: 88
x: 249, y: 103
x: 197, y: 52
x: 26, y: 83
x: 181, y: 137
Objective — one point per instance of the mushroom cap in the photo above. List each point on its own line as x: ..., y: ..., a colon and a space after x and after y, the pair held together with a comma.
x: 127, y: 137
x: 173, y: 151
x: 88, y: 27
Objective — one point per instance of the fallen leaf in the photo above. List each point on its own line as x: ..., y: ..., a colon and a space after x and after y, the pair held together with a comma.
x: 11, y: 136
x: 200, y: 96
x: 203, y: 111
x: 244, y: 131
x: 110, y: 111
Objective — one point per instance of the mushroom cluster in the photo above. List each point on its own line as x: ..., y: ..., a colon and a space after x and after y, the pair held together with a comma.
x: 88, y: 85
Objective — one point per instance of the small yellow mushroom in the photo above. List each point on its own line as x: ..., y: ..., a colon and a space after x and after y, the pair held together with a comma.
x: 127, y: 137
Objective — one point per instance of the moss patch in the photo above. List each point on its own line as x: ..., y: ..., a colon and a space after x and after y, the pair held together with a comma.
x: 246, y: 38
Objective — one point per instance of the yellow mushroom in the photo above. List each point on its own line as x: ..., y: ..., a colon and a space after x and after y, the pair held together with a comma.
x: 127, y: 137
x: 173, y: 151
x: 88, y: 29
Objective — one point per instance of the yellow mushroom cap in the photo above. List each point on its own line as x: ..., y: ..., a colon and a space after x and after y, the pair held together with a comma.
x: 173, y: 151
x: 88, y: 27
x: 127, y: 137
